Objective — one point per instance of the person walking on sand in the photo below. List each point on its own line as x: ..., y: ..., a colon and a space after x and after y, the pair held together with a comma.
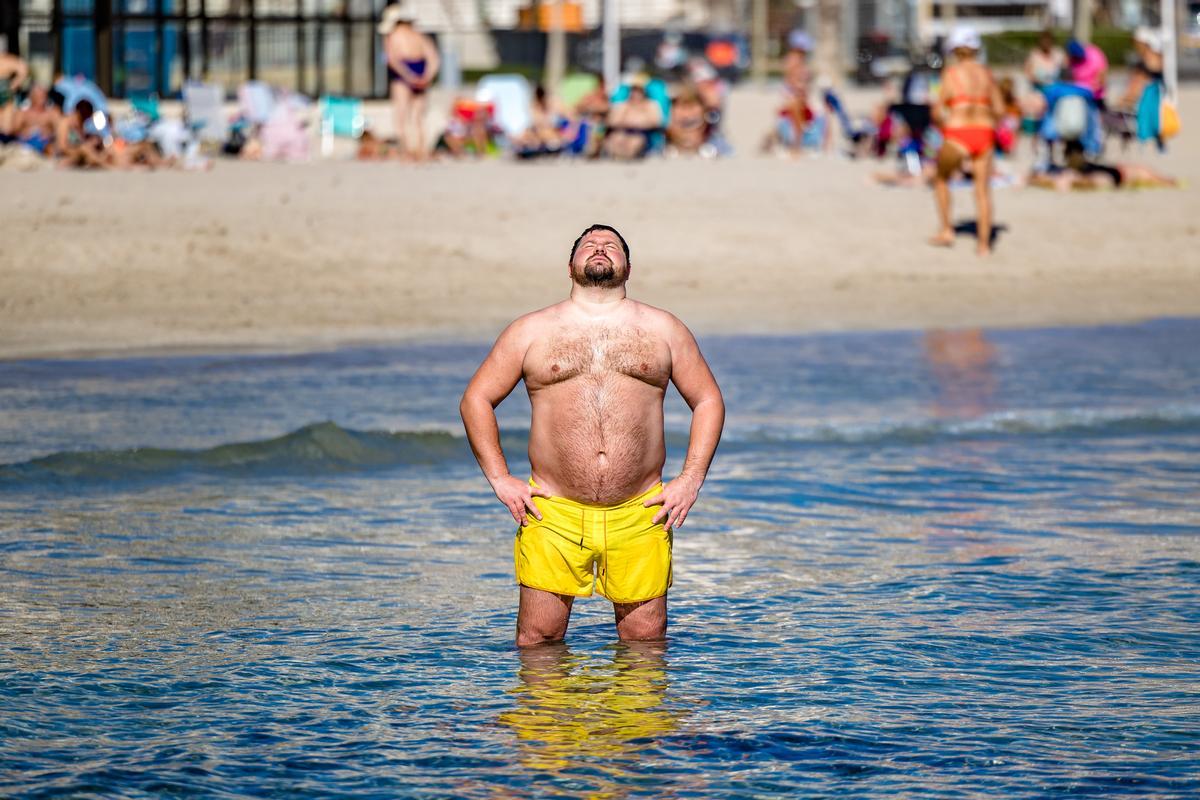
x: 412, y: 64
x: 968, y: 108
x: 595, y: 511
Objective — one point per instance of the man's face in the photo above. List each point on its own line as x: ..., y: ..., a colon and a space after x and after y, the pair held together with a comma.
x: 600, y: 261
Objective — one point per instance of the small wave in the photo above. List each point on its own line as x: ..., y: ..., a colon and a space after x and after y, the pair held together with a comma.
x: 319, y: 448
x: 1015, y: 424
x: 325, y: 447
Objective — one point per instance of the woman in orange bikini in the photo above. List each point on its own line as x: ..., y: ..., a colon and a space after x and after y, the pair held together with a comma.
x: 967, y: 108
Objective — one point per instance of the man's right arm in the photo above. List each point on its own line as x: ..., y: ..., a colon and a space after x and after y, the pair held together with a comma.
x: 493, y: 381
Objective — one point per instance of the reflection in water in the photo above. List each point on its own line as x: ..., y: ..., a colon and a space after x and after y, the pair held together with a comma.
x: 580, y: 719
x: 962, y: 366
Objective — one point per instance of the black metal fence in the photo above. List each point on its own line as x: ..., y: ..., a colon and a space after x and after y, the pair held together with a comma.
x: 140, y: 46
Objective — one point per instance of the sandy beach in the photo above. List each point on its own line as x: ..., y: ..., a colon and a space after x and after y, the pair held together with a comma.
x: 271, y: 256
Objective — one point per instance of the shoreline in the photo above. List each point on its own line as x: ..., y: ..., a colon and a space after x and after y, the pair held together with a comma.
x: 315, y: 345
x: 255, y: 257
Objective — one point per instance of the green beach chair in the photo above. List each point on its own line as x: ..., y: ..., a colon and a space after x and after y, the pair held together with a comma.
x: 145, y: 104
x: 340, y: 117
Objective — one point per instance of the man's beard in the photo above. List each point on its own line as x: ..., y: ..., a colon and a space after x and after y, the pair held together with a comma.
x: 598, y: 273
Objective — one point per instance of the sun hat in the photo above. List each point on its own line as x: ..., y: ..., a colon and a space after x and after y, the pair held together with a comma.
x: 963, y: 37
x: 393, y: 15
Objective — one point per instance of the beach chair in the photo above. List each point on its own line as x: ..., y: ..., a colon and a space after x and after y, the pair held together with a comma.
x: 512, y: 97
x: 203, y: 106
x: 145, y: 104
x: 135, y: 125
x: 341, y: 117
x: 256, y: 101
x: 576, y: 87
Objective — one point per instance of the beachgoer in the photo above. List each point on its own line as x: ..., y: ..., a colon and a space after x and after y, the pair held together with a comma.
x: 632, y: 123
x: 1045, y: 62
x: 968, y: 108
x: 544, y: 134
x: 468, y: 129
x: 1142, y: 99
x: 794, y: 115
x: 590, y: 114
x: 1089, y: 68
x: 688, y: 129
x: 1082, y: 173
x: 14, y: 73
x: 37, y: 122
x: 796, y: 74
x: 413, y: 63
x: 75, y: 145
x: 596, y: 367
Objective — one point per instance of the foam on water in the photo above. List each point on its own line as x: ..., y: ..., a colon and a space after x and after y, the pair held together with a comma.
x: 902, y: 580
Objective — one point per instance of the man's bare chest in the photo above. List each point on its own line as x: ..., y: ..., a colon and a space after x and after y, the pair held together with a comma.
x: 598, y: 354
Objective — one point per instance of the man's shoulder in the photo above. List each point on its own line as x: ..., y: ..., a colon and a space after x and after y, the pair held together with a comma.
x: 658, y: 319
x: 654, y: 313
x: 527, y: 326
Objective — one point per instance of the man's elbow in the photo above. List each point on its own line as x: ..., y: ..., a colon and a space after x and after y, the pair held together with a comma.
x: 473, y: 402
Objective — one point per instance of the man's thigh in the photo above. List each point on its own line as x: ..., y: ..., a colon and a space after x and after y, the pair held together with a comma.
x: 542, y: 616
x: 644, y: 621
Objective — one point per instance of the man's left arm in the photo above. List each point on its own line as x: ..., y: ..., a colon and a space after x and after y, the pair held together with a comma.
x: 695, y: 382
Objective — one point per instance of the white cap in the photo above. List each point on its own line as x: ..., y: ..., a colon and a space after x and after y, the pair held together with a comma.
x: 393, y: 15
x: 1149, y: 37
x: 963, y: 37
x: 798, y: 39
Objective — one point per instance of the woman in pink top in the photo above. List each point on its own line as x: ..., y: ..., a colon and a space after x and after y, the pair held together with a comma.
x: 1089, y: 67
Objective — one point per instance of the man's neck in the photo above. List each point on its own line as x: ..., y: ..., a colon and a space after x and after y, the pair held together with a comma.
x: 597, y: 301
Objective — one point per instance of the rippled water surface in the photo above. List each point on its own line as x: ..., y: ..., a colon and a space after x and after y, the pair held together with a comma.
x: 925, y: 565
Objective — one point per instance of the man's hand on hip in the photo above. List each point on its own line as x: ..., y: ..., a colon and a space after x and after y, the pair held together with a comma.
x: 518, y: 496
x: 676, y: 499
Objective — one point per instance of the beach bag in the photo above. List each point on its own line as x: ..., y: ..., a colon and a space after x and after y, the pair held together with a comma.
x: 1168, y: 120
x: 1006, y: 136
x: 1070, y: 118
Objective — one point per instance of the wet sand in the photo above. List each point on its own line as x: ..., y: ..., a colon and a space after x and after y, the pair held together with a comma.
x: 270, y: 256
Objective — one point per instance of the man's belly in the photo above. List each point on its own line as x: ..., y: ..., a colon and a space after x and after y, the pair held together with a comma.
x: 601, y: 453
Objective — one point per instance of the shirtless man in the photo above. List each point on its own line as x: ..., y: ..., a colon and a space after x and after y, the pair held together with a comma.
x: 37, y: 123
x: 413, y: 63
x: 596, y: 367
x: 967, y: 108
x: 14, y: 72
x: 630, y: 124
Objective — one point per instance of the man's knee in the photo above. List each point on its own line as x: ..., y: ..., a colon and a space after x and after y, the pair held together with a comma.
x: 643, y: 632
x: 531, y: 635
x: 643, y: 622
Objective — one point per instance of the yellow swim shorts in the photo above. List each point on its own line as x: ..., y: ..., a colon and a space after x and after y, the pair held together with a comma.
x: 619, y: 547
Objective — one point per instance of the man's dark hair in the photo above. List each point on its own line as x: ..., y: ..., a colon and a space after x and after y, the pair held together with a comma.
x: 599, y: 227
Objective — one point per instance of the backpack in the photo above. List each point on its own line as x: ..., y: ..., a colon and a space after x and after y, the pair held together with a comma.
x: 1070, y: 118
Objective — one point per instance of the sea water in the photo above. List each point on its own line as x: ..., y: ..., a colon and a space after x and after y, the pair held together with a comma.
x: 944, y: 564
